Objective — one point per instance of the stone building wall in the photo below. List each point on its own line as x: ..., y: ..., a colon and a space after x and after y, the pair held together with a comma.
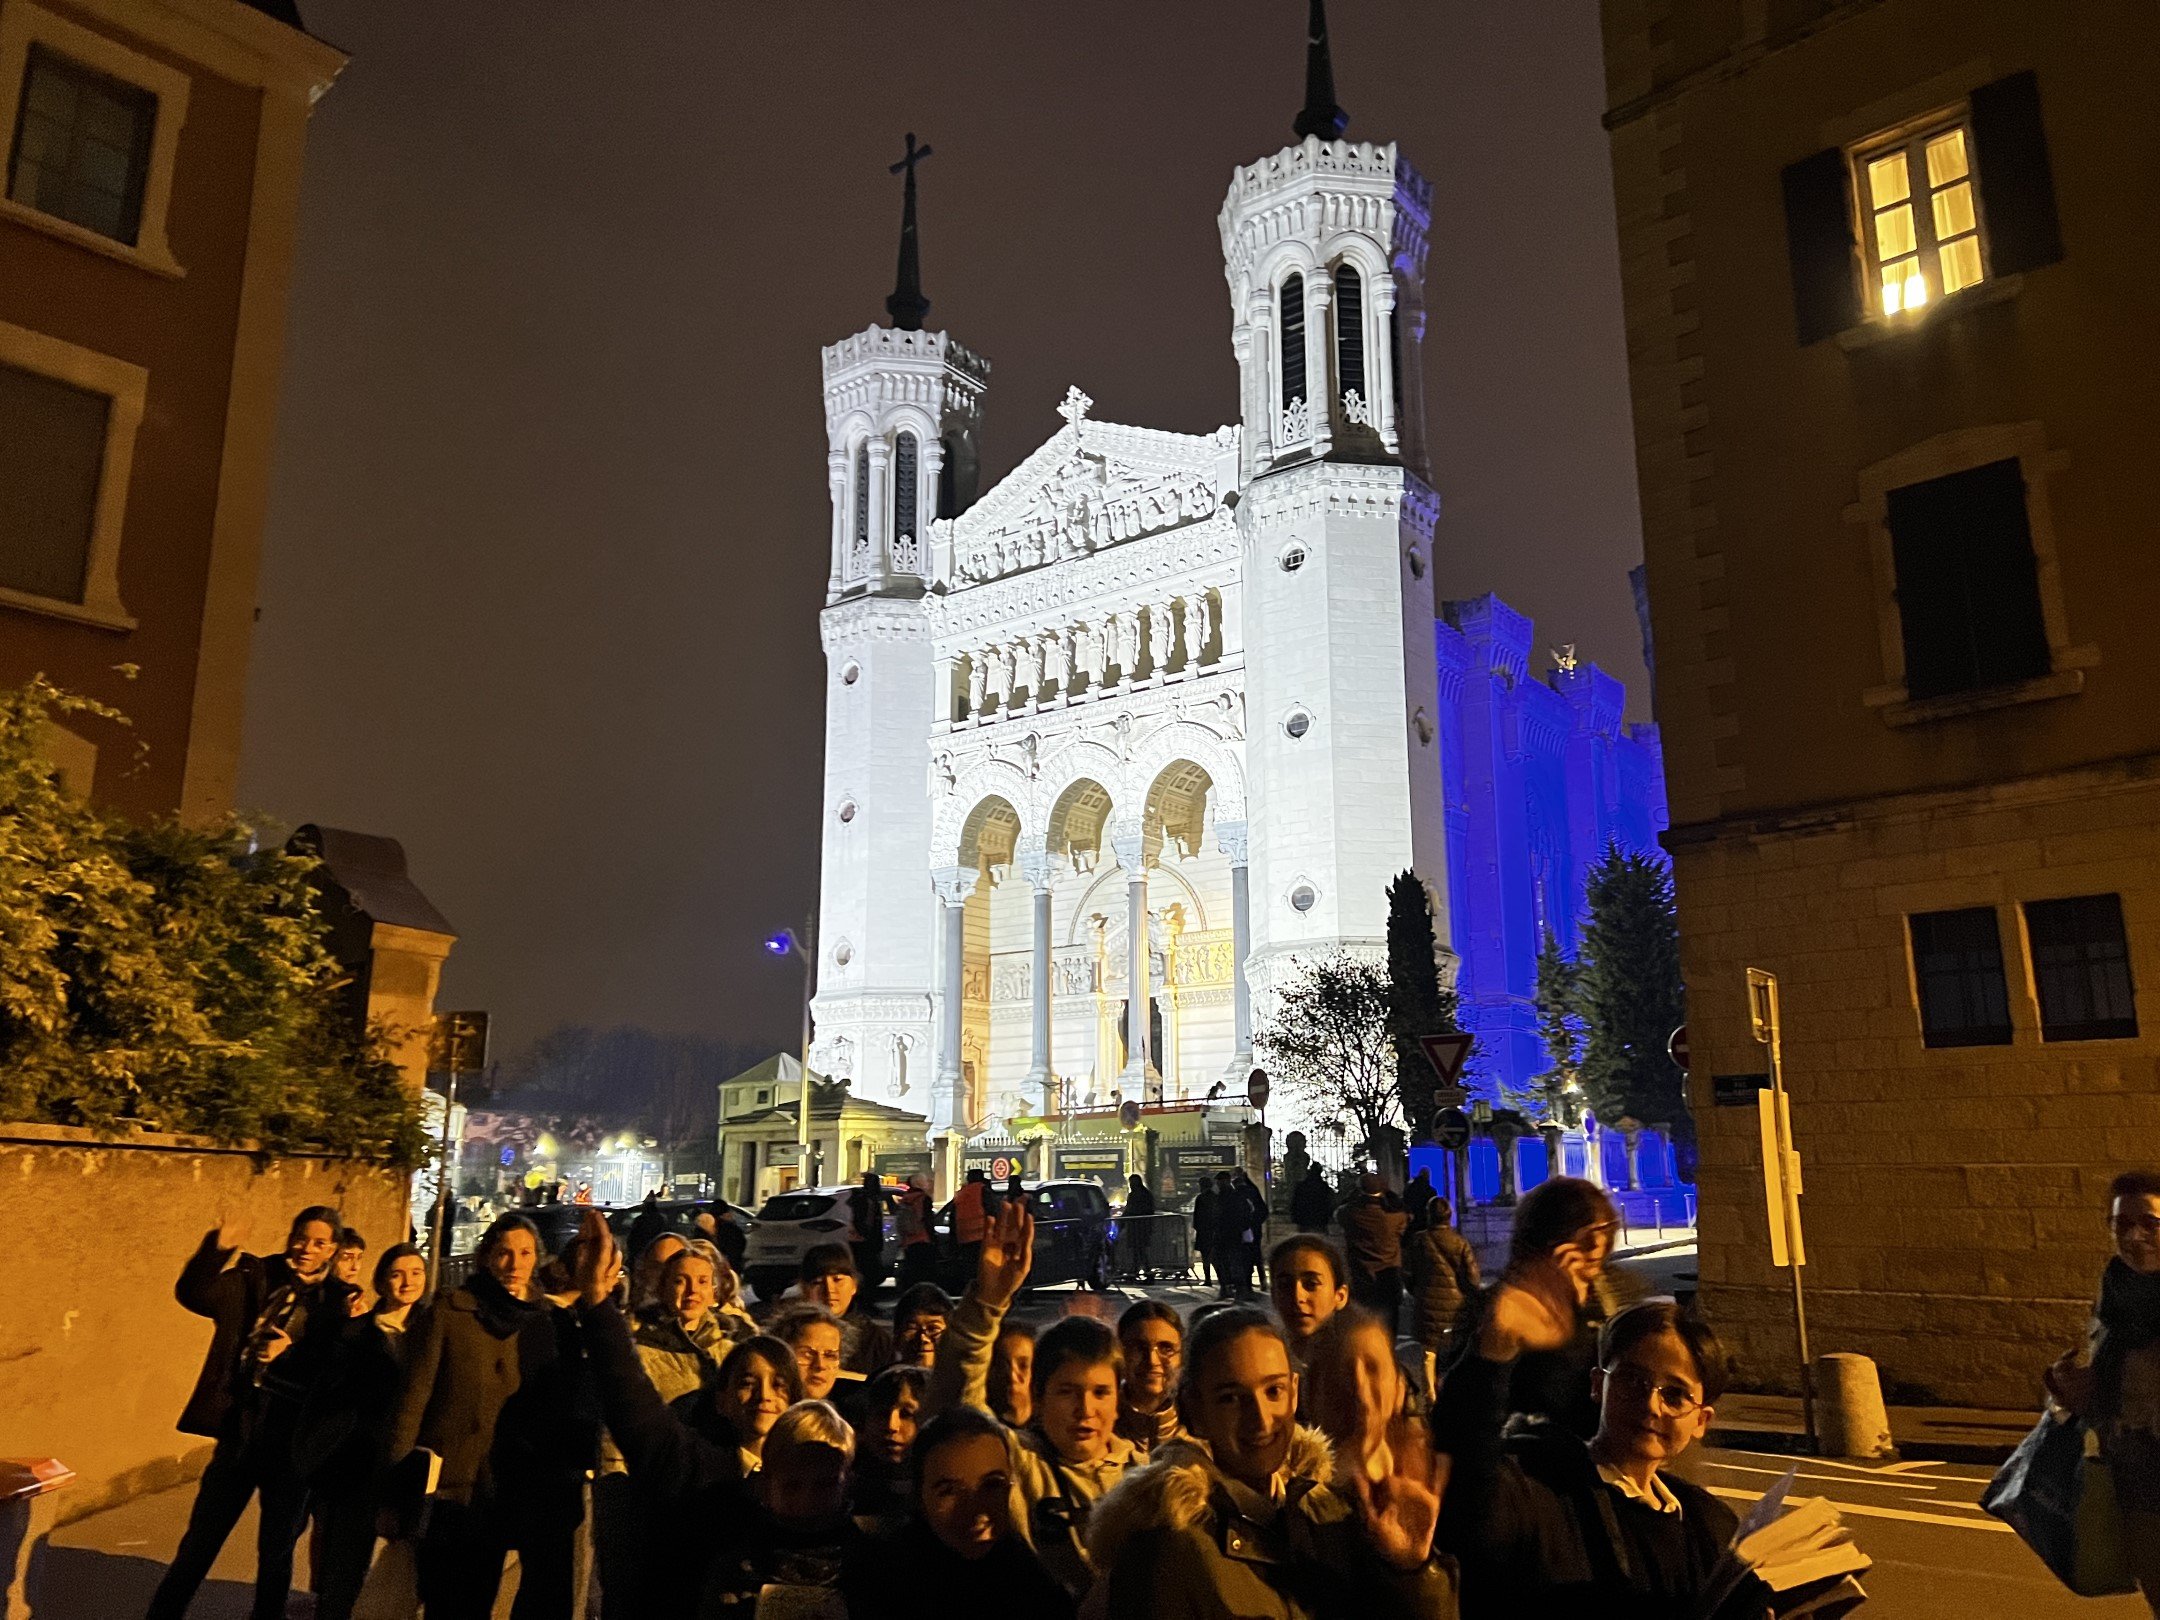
x: 96, y: 1356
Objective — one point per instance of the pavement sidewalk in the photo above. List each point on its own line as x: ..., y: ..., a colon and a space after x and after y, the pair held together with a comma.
x: 1963, y: 1434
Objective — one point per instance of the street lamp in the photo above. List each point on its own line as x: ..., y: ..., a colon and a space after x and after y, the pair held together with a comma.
x: 783, y: 944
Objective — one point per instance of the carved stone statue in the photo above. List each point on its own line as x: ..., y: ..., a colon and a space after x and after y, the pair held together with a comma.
x: 977, y: 675
x: 1027, y: 669
x: 1162, y: 627
x: 1093, y: 652
x: 1057, y: 660
x: 1128, y: 645
x: 1199, y: 626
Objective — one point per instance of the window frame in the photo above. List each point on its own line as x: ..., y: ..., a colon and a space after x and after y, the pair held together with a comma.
x: 1912, y: 138
x: 24, y: 25
x: 2064, y: 1032
x: 2004, y: 1034
x: 127, y: 386
x: 1962, y: 450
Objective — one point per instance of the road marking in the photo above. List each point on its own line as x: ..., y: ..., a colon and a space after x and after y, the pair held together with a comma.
x: 1900, y: 1482
x: 1869, y: 1512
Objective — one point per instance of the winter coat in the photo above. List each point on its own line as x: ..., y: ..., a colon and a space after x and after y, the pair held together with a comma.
x: 232, y: 1297
x: 1148, y: 1430
x: 1539, y: 1531
x: 908, y: 1574
x: 1177, y: 1540
x: 1443, y: 1276
x: 1052, y: 1498
x: 755, y: 1550
x: 1139, y: 1203
x: 1312, y: 1205
x: 866, y: 1344
x: 971, y: 1212
x: 731, y: 1240
x: 344, y: 1429
x: 497, y: 1389
x: 676, y: 1363
x: 1372, y: 1234
x: 1206, y: 1210
x: 685, y: 1463
x: 1551, y: 1384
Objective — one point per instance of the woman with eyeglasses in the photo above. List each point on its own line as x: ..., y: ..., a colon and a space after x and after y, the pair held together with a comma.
x: 2114, y: 1383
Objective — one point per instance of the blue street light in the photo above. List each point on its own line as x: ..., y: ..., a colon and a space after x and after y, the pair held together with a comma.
x: 782, y: 944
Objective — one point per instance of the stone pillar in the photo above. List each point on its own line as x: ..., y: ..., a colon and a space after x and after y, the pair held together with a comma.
x: 1320, y: 384
x: 1033, y: 861
x: 1380, y: 358
x: 881, y: 528
x: 953, y: 885
x: 1131, y: 847
x: 1231, y: 839
x: 836, y: 475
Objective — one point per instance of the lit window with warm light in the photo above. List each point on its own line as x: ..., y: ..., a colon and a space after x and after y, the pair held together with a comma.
x: 1923, y: 227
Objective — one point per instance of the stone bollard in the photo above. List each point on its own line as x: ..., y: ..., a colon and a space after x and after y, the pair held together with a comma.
x: 1850, y: 1418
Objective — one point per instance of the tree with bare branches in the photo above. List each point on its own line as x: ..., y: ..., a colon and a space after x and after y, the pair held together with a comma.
x: 1328, y: 1045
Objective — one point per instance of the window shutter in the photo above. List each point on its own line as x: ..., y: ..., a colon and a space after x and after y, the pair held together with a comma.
x: 862, y: 495
x: 1819, y: 240
x: 948, y: 479
x: 1350, y: 330
x: 905, y: 501
x: 1292, y: 325
x: 1968, y: 591
x: 2017, y: 187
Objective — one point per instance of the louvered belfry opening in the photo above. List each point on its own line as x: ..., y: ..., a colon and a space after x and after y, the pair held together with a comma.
x: 1350, y: 330
x: 1293, y: 341
x: 904, y: 497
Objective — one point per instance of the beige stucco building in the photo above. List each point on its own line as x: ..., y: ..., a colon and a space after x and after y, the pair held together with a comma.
x: 1892, y: 353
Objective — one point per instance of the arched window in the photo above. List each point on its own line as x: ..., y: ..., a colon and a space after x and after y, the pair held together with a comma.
x: 905, y: 503
x: 1350, y: 334
x: 862, y: 499
x: 1293, y: 342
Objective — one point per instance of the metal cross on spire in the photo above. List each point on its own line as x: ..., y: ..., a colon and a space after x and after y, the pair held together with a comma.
x: 1074, y: 409
x: 907, y: 306
x: 1321, y: 116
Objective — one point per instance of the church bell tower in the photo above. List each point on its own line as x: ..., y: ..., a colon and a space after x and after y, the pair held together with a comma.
x: 1324, y: 249
x: 903, y: 406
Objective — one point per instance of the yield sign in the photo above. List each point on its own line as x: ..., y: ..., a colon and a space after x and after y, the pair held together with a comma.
x: 1446, y: 1053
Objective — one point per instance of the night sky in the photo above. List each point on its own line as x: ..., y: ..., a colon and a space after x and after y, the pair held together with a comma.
x: 549, y: 528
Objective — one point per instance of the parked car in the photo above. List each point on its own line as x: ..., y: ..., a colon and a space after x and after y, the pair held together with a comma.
x: 680, y: 1214
x: 792, y: 1224
x: 1072, y: 1237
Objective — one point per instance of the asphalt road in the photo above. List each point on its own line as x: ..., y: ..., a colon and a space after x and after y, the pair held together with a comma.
x: 1937, y: 1556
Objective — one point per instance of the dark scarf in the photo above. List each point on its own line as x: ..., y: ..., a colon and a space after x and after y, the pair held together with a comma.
x: 501, y: 1312
x: 2129, y: 1313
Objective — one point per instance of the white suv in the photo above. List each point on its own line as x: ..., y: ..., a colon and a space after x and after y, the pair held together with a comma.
x: 792, y: 1224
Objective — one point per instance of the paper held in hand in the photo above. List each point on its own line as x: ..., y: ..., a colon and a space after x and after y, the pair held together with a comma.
x: 1805, y: 1556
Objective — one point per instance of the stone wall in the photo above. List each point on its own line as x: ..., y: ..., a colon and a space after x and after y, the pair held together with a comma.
x: 96, y: 1357
x: 1953, y: 1198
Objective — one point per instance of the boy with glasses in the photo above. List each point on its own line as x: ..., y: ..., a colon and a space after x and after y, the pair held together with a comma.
x: 1548, y: 1524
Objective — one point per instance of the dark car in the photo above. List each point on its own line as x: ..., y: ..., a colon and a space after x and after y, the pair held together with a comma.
x: 1072, y: 1237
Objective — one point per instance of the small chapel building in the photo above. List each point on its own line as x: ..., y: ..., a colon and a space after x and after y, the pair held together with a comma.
x: 1116, y: 742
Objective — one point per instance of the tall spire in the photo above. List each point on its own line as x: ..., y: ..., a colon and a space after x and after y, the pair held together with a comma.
x: 1321, y: 117
x: 907, y: 306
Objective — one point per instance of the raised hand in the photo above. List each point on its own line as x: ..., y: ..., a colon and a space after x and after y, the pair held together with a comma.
x: 599, y: 1262
x: 1401, y: 1510
x: 1532, y: 1309
x: 1008, y: 1252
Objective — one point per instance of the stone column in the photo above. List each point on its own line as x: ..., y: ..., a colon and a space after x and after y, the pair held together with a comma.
x: 1380, y: 358
x: 1033, y: 861
x: 953, y: 885
x: 880, y: 516
x: 836, y: 476
x: 1320, y: 384
x: 1131, y: 847
x: 1231, y: 839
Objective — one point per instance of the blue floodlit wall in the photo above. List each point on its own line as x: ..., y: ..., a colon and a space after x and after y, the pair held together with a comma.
x: 1541, y: 773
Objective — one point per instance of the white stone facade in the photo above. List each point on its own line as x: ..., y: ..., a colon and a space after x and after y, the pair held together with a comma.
x: 1156, y: 708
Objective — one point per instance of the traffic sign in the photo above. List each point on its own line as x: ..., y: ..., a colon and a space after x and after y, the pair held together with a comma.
x: 1676, y: 1047
x: 1256, y: 1088
x: 1128, y: 1114
x: 1446, y: 1053
x: 1451, y: 1129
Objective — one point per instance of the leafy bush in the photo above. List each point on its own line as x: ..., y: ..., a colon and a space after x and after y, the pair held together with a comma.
x: 172, y: 978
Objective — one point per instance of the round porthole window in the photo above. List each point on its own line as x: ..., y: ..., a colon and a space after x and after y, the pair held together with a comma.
x: 850, y: 673
x: 1303, y: 898
x: 1293, y: 558
x: 843, y: 953
x: 847, y: 811
x: 1297, y: 724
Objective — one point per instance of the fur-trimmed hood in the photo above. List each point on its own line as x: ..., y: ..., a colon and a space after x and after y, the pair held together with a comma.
x: 1174, y: 1489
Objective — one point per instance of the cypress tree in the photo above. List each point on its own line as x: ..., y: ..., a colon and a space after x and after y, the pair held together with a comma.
x: 1631, y: 995
x: 1418, y: 1004
x: 1560, y: 1027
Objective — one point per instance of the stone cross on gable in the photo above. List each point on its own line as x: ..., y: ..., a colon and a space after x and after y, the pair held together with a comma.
x: 1075, y: 409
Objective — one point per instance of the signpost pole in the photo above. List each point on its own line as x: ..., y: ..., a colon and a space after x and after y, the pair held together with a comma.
x: 445, y: 1180
x: 1780, y: 1171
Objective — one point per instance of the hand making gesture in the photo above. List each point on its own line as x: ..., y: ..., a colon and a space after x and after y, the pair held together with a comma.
x: 1008, y: 1251
x: 1534, y: 1306
x: 1401, y: 1510
x: 599, y: 1262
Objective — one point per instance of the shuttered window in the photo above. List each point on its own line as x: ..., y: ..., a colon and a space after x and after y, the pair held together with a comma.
x: 1968, y: 590
x: 904, y: 501
x: 862, y: 496
x: 2081, y: 968
x: 1923, y: 222
x: 1958, y: 974
x: 1350, y: 330
x: 1293, y: 341
x: 52, y: 458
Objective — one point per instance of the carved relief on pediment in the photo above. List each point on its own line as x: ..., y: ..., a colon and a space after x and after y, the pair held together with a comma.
x: 1087, y: 502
